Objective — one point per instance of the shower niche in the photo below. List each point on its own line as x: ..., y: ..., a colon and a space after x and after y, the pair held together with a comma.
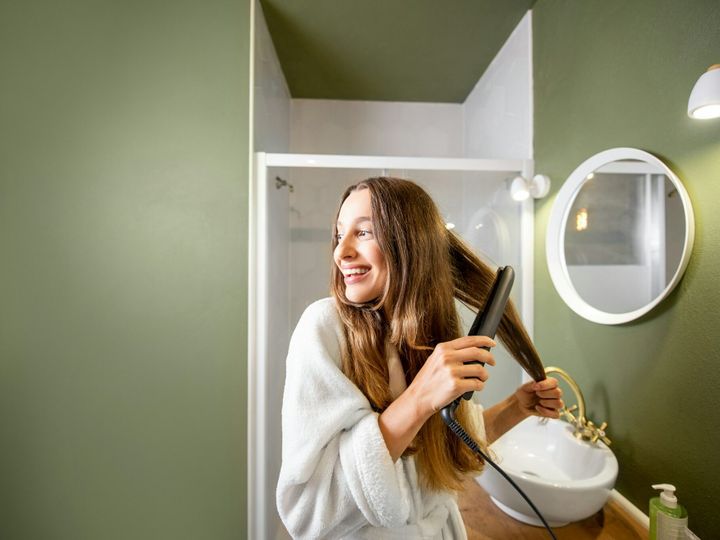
x: 294, y: 200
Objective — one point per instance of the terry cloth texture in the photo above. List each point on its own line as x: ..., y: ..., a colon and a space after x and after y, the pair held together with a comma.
x: 337, y: 478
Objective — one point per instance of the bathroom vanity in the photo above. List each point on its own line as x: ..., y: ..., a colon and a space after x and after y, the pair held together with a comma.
x: 485, y: 521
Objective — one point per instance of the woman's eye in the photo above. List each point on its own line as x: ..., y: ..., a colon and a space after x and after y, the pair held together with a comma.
x: 364, y: 232
x: 338, y: 237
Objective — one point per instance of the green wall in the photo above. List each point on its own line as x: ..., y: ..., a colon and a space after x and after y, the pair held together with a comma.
x: 123, y: 253
x: 612, y: 73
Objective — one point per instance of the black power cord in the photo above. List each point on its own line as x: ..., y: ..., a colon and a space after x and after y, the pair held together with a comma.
x: 448, y: 416
x: 486, y: 324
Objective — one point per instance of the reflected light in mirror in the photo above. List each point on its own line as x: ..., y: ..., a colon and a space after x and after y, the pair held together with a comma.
x: 581, y: 220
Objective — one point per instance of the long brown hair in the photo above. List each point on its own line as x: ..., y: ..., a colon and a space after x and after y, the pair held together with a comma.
x: 428, y: 266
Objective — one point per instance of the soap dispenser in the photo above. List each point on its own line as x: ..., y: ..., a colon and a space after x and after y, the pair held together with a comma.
x: 668, y: 519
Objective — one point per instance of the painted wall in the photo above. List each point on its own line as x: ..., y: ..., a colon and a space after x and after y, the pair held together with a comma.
x: 123, y: 214
x: 612, y: 73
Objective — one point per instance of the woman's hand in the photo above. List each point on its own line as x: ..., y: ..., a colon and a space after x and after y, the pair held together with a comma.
x: 540, y: 398
x: 447, y: 374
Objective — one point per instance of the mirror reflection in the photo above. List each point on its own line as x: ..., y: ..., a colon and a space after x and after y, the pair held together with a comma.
x: 624, y: 236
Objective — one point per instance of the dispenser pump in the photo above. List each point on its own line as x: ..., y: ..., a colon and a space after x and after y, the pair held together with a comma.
x: 667, y: 497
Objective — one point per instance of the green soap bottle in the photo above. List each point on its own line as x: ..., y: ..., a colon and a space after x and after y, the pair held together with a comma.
x: 668, y: 519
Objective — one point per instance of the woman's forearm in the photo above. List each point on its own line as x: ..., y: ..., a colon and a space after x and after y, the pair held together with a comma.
x: 400, y: 422
x: 501, y: 417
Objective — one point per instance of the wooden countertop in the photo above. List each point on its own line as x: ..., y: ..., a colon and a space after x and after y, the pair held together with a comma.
x: 485, y: 521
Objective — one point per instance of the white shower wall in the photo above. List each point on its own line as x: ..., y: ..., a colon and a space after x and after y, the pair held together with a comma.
x: 376, y: 128
x: 271, y: 97
x: 498, y: 113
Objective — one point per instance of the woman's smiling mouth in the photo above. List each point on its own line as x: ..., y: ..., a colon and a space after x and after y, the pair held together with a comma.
x: 355, y: 274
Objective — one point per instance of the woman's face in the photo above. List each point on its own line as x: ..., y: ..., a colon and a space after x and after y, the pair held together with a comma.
x: 358, y: 254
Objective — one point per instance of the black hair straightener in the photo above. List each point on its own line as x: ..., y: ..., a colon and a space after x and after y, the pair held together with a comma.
x: 486, y: 324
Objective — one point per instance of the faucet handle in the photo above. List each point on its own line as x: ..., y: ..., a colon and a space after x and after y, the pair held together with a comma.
x: 568, y: 414
x: 599, y: 433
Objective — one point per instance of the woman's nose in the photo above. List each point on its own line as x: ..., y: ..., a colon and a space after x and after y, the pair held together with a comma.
x: 345, y: 248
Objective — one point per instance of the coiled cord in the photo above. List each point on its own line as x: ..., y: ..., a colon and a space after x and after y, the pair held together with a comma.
x: 458, y: 430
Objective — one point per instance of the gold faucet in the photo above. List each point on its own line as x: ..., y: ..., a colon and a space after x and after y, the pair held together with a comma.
x: 584, y: 428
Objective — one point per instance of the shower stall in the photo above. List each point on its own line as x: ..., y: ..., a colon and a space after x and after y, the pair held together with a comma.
x: 293, y: 202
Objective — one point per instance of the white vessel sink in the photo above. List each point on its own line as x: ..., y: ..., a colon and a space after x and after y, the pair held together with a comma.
x: 566, y: 478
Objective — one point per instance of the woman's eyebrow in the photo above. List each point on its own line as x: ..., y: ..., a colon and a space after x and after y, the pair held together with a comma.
x: 356, y: 220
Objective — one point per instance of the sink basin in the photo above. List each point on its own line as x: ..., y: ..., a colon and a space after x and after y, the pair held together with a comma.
x: 566, y: 478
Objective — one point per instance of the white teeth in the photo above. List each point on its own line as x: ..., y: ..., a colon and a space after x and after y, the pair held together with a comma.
x: 353, y: 271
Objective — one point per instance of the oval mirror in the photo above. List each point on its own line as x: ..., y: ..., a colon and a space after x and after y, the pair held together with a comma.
x: 620, y: 235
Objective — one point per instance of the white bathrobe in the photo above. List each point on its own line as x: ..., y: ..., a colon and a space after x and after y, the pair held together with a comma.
x: 337, y: 478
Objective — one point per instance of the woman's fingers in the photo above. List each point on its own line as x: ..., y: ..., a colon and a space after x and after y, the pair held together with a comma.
x: 552, y: 403
x: 472, y: 385
x: 554, y: 393
x: 544, y: 411
x: 453, y: 369
x: 545, y: 384
x: 470, y: 354
x: 471, y: 341
x: 471, y: 370
x: 547, y: 389
x: 450, y: 354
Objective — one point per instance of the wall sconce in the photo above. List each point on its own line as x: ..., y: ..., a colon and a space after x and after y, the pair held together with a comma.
x: 537, y: 188
x: 705, y: 96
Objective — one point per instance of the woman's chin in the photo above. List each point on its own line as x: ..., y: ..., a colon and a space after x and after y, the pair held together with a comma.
x: 360, y: 297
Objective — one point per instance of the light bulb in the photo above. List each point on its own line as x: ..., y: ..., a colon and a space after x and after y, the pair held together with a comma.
x: 708, y: 111
x: 704, y: 99
x: 519, y: 190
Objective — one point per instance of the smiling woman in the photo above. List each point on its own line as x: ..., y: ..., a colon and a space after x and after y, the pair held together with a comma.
x: 368, y: 369
x: 292, y: 268
x: 357, y: 254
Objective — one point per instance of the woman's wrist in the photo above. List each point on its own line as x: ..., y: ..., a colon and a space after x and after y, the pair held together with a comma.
x: 401, y: 421
x: 418, y: 403
x: 519, y: 412
x: 503, y: 416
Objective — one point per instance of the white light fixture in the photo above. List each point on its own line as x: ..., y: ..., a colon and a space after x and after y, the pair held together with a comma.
x: 705, y: 96
x: 537, y: 188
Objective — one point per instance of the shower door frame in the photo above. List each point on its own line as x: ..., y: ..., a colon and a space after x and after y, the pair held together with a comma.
x: 258, y: 285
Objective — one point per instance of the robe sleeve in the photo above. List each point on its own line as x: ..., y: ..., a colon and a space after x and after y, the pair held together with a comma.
x: 337, y: 474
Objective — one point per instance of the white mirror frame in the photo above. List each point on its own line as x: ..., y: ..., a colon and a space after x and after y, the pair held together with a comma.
x: 555, y: 239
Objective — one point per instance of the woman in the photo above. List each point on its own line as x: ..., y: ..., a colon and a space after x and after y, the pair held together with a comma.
x: 364, y: 454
